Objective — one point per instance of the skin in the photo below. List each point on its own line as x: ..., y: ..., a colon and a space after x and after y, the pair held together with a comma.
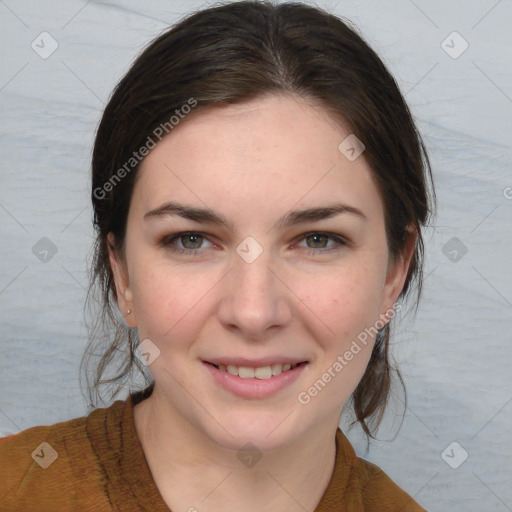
x: 252, y: 163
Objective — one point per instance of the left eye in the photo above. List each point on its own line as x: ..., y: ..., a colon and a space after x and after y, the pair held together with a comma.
x: 321, y: 239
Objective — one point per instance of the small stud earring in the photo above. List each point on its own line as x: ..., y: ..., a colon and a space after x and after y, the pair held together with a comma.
x: 129, y: 311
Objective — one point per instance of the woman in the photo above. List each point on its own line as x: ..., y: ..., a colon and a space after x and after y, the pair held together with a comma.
x: 259, y: 189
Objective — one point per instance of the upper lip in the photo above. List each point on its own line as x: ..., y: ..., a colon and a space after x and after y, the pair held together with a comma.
x: 255, y: 363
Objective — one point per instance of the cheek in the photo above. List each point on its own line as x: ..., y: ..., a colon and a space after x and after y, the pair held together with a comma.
x: 343, y: 303
x: 347, y: 302
x: 167, y: 301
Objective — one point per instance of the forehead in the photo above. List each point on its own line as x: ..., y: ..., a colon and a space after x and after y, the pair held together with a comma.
x: 265, y: 155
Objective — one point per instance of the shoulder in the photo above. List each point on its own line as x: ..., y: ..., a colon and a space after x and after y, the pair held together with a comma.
x: 364, y: 486
x: 379, y: 492
x: 52, y: 467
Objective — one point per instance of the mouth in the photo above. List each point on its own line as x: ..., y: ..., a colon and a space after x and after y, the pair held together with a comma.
x: 255, y: 379
x: 257, y: 372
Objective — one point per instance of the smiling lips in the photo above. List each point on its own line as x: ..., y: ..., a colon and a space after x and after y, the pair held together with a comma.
x: 255, y: 379
x: 252, y: 371
x: 261, y: 372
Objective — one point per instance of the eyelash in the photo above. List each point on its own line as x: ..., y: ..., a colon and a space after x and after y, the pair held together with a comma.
x: 169, y: 240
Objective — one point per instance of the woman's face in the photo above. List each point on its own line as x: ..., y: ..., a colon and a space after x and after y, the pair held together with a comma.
x: 269, y: 286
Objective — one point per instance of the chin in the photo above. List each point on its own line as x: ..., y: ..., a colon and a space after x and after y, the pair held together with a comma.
x: 267, y: 431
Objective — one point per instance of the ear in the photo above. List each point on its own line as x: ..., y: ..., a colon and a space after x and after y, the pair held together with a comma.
x: 397, y: 274
x: 121, y: 280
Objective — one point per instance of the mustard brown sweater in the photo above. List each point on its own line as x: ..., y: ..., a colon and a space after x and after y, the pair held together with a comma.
x: 96, y: 463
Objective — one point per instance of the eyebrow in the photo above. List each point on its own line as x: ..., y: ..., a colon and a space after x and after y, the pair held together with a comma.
x: 291, y: 218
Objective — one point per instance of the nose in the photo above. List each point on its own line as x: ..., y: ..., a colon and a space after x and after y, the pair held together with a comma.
x: 255, y: 299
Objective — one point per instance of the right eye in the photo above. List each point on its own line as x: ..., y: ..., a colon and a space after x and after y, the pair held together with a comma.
x: 189, y: 237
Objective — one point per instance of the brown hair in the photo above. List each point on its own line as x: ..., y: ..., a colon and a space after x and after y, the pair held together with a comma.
x: 234, y: 53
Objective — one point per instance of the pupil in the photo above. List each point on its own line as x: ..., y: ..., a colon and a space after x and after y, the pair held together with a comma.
x: 191, y: 237
x: 317, y: 237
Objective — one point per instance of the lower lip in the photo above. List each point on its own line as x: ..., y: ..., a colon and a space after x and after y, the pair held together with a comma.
x: 255, y: 388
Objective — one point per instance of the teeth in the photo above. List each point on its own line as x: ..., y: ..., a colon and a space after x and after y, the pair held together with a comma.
x: 246, y: 372
x: 277, y: 369
x: 262, y: 372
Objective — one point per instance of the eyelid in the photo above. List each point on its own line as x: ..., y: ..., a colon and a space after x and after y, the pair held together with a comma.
x: 333, y: 236
x: 172, y: 237
x: 340, y: 242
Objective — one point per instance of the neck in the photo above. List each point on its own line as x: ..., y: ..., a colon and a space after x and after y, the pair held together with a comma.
x: 193, y: 473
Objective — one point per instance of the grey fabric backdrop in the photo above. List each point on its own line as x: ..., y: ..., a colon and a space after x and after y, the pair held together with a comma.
x: 456, y: 353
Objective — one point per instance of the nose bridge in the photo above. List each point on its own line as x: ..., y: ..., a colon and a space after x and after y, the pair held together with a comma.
x: 256, y: 298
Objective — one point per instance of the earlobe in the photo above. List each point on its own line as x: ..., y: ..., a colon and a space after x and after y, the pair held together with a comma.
x: 397, y: 273
x: 121, y: 281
